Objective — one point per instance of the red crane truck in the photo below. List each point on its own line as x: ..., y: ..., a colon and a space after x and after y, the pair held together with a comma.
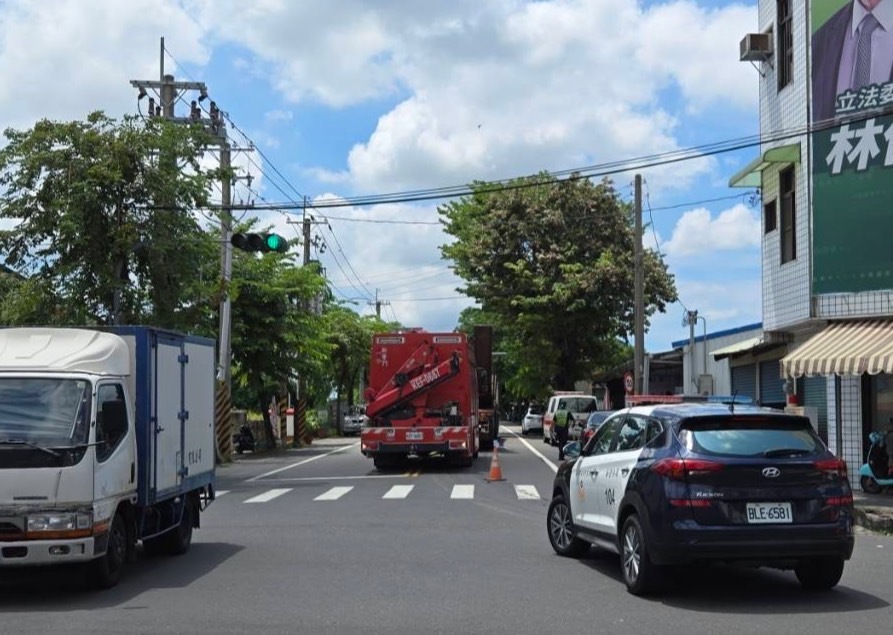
x: 422, y: 398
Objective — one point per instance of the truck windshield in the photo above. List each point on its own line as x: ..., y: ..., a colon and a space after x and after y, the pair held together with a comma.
x: 44, y: 411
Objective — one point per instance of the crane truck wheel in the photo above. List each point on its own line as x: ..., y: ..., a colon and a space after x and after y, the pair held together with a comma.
x: 105, y: 572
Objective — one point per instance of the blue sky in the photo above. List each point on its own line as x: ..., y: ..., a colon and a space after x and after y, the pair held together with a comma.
x: 346, y: 98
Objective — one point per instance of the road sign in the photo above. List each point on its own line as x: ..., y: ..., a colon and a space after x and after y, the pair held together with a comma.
x: 628, y: 384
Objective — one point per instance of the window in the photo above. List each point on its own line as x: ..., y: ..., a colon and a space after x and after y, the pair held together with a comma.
x: 785, y: 43
x: 631, y: 435
x: 106, y: 443
x: 770, y: 217
x: 601, y: 441
x: 788, y: 215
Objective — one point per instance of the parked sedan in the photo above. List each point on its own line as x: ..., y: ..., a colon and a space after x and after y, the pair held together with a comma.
x: 533, y: 418
x: 596, y: 419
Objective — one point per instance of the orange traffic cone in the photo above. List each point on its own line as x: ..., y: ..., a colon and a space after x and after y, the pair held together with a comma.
x: 495, y: 468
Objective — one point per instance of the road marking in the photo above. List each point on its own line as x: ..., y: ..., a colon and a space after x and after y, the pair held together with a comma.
x: 304, y: 462
x: 527, y: 492
x: 398, y: 491
x: 462, y: 491
x: 334, y: 494
x: 220, y: 493
x: 310, y: 479
x: 536, y: 452
x: 268, y: 495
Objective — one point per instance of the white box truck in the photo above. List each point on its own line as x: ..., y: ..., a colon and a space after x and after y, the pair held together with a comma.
x: 106, y: 439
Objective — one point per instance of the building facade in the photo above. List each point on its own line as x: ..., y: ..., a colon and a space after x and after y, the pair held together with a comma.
x: 825, y: 172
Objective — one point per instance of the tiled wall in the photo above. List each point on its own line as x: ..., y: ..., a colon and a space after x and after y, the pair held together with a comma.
x: 851, y: 416
x: 786, y: 287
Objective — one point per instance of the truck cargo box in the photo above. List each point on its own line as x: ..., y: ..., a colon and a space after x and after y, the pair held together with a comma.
x: 173, y: 385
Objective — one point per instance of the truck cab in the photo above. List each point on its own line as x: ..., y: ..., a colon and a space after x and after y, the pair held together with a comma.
x: 105, y: 439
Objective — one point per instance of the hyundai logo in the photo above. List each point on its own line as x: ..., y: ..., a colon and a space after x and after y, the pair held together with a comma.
x: 771, y: 472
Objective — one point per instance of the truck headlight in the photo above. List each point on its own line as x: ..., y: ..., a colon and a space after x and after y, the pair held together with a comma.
x: 61, y: 521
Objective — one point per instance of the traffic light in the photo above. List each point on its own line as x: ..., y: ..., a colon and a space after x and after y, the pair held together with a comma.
x: 263, y: 243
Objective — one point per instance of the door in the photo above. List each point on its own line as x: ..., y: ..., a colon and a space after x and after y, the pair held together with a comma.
x: 616, y: 467
x: 587, y: 475
x: 169, y: 415
x: 115, y: 469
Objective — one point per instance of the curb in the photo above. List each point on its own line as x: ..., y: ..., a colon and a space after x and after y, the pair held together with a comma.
x: 874, y: 519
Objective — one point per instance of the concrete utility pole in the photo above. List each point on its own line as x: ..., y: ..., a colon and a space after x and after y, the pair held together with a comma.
x: 378, y: 304
x: 639, y: 292
x: 168, y: 91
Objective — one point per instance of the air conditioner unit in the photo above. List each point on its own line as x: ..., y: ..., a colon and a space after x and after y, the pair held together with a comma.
x: 756, y: 47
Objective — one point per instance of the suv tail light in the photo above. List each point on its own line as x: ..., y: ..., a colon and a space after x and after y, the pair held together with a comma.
x: 678, y: 469
x: 833, y: 467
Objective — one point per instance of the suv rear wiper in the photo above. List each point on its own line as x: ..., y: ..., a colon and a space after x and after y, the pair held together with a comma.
x: 786, y: 452
x: 30, y: 445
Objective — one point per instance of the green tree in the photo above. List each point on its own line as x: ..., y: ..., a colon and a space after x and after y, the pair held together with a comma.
x: 275, y: 337
x: 103, y: 227
x: 553, y: 260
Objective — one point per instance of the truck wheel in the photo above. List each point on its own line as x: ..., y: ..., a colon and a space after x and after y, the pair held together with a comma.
x: 486, y: 444
x: 177, y: 541
x: 106, y: 571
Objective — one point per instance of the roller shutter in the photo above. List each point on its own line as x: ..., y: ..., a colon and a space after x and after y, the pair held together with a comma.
x: 771, y: 384
x: 744, y: 380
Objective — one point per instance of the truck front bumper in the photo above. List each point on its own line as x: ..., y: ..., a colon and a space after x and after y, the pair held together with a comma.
x: 46, y: 552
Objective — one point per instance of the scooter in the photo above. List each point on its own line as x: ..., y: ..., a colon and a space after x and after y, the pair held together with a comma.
x: 244, y: 439
x: 875, y: 474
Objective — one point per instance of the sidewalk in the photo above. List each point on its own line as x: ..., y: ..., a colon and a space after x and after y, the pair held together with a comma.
x: 874, y: 511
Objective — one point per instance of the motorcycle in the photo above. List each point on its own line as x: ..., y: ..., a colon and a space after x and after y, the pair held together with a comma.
x: 243, y: 439
x: 875, y: 474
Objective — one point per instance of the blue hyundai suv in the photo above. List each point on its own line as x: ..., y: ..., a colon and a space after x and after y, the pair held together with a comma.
x: 694, y: 482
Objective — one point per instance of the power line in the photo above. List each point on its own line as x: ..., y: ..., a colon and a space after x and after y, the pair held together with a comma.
x: 599, y: 170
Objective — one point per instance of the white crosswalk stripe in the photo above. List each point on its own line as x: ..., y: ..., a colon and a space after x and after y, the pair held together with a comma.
x: 395, y: 492
x: 463, y: 492
x: 526, y: 492
x: 268, y: 495
x: 220, y: 493
x: 334, y: 494
x: 398, y: 491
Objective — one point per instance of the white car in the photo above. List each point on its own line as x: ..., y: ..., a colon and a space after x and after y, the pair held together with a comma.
x: 533, y: 418
x: 578, y: 404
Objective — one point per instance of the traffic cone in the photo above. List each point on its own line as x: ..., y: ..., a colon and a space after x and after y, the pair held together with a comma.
x: 495, y: 468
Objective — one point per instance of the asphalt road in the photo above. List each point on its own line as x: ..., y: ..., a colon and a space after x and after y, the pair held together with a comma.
x: 318, y: 541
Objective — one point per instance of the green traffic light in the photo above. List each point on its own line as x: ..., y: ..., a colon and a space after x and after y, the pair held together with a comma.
x: 275, y: 242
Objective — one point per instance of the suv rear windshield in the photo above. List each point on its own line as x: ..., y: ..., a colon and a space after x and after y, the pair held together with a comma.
x: 579, y: 404
x: 750, y: 436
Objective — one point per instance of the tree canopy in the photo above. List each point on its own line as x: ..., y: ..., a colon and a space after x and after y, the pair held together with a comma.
x: 551, y: 263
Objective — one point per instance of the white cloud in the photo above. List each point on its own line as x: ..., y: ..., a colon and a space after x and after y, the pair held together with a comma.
x: 61, y: 59
x: 697, y: 232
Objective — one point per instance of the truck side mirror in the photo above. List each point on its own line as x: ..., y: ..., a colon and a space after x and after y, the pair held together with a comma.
x: 114, y: 418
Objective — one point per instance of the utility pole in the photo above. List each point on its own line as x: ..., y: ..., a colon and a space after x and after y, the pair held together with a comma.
x: 168, y: 91
x: 378, y: 304
x: 639, y: 291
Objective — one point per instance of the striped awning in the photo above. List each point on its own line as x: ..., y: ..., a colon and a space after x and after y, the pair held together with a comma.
x: 844, y: 348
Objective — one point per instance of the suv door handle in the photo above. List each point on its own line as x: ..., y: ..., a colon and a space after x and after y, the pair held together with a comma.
x: 624, y: 471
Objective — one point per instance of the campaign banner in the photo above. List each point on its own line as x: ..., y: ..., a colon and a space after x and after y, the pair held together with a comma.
x: 852, y: 163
